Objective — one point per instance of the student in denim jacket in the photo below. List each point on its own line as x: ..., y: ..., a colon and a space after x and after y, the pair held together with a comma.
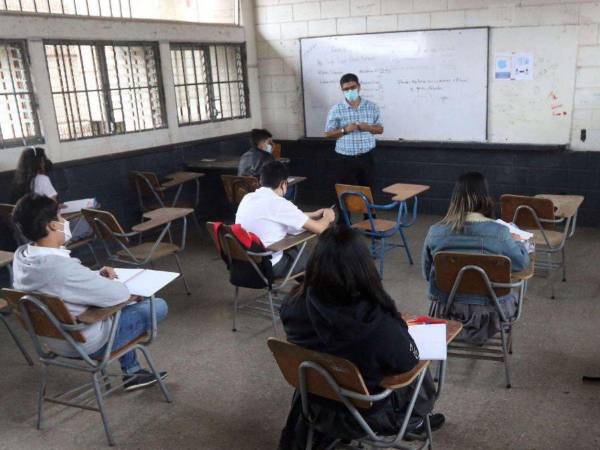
x: 468, y: 227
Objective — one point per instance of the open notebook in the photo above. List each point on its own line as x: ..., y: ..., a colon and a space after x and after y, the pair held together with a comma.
x: 77, y: 205
x: 430, y: 340
x: 525, y: 235
x: 145, y: 282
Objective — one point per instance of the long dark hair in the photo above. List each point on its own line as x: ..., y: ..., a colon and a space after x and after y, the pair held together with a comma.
x: 33, y: 161
x: 341, y: 271
x: 471, y: 194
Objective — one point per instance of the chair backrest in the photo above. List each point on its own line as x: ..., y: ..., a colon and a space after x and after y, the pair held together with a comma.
x: 276, y: 152
x: 146, y: 185
x: 237, y: 187
x: 289, y: 357
x: 543, y: 207
x: 94, y: 216
x: 42, y: 326
x: 354, y: 204
x: 448, y: 265
x: 6, y: 209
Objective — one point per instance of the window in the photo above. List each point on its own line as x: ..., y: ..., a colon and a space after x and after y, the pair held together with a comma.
x: 102, y: 89
x: 18, y: 117
x: 210, y: 82
x: 202, y: 11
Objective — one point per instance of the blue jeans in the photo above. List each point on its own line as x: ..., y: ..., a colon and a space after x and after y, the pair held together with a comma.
x: 135, y: 321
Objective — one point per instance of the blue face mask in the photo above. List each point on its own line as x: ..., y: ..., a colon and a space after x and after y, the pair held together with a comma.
x: 351, y: 95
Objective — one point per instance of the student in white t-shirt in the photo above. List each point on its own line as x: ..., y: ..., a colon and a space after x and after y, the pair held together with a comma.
x: 31, y: 176
x: 271, y: 217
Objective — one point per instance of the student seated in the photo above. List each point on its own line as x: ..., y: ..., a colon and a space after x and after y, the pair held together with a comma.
x: 252, y: 162
x: 45, y: 266
x: 271, y: 217
x: 468, y: 227
x: 342, y: 309
x: 31, y: 175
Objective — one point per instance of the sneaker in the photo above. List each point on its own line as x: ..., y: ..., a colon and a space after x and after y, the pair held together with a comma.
x: 435, y: 420
x: 141, y: 379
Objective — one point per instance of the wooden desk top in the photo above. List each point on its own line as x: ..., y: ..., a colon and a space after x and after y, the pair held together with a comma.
x: 70, y: 216
x: 94, y: 314
x: 178, y: 178
x: 291, y: 241
x: 219, y: 163
x: 397, y: 381
x: 564, y: 205
x: 526, y: 273
x: 3, y: 303
x: 161, y: 216
x: 5, y: 258
x: 402, y: 191
x: 294, y: 180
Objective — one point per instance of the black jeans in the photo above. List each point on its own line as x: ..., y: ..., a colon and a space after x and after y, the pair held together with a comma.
x: 282, y: 267
x: 357, y: 170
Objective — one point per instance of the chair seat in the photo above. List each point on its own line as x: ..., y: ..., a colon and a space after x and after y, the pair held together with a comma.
x: 124, y: 349
x: 181, y: 203
x: 554, y: 237
x: 142, y: 251
x: 381, y: 225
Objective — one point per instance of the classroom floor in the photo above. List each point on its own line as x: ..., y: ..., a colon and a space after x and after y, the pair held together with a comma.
x: 229, y: 394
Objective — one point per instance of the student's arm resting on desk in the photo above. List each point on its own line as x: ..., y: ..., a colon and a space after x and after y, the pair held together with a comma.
x: 83, y: 286
x: 399, y: 354
x: 317, y: 226
x: 515, y: 250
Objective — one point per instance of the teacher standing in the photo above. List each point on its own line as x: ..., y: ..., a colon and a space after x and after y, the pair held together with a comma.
x: 354, y: 123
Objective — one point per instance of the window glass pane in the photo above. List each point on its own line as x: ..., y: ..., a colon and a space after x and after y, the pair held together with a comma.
x: 18, y: 116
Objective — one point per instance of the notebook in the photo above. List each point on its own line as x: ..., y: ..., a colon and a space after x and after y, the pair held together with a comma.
x: 430, y: 340
x: 145, y: 282
x: 525, y: 235
x: 77, y: 205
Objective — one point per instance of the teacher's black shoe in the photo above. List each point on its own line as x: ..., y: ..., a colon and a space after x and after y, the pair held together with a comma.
x: 435, y: 420
x: 141, y: 379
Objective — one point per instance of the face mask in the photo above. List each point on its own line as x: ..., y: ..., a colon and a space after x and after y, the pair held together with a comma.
x: 351, y: 95
x: 269, y: 148
x: 66, y: 231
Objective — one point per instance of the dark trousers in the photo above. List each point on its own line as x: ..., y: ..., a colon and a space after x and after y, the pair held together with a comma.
x: 357, y: 170
x: 283, y: 266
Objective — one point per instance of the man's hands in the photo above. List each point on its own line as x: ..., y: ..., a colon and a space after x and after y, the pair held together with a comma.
x: 351, y: 127
x: 108, y: 272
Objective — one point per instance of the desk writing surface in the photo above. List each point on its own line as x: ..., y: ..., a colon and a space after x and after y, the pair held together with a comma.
x: 226, y: 163
x: 453, y: 327
x: 5, y: 258
x: 291, y: 241
x: 294, y: 180
x: 564, y: 205
x: 178, y: 178
x: 526, y: 273
x: 403, y: 191
x: 161, y: 216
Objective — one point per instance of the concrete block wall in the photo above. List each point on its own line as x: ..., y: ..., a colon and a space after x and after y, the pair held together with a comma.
x: 280, y: 24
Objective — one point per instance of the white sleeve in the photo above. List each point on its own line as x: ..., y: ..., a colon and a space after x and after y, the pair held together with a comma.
x: 43, y: 186
x: 290, y: 215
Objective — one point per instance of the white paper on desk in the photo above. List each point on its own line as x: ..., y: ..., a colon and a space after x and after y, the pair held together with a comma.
x: 430, y: 340
x: 77, y: 205
x: 144, y: 282
x: 525, y: 235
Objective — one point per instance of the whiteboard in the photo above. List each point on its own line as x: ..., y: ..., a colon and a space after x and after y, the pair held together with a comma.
x: 537, y: 111
x: 429, y: 85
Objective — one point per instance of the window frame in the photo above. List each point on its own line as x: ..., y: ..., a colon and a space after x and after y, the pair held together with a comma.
x: 38, y: 138
x: 106, y: 89
x: 210, y: 83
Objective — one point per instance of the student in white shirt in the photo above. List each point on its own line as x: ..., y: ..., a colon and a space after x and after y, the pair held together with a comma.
x: 45, y: 266
x: 271, y: 217
x: 31, y: 175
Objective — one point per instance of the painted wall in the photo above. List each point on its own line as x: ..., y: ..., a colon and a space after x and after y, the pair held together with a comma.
x: 35, y: 29
x: 281, y: 23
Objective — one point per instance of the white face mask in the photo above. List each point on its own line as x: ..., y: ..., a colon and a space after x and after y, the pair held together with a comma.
x: 269, y: 148
x: 66, y: 231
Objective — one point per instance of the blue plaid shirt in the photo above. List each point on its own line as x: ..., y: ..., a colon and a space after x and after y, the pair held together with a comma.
x: 358, y: 142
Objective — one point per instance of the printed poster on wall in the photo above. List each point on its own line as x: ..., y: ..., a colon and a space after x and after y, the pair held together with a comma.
x: 513, y: 66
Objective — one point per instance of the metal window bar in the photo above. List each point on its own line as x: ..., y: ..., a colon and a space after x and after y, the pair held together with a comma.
x: 120, y: 9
